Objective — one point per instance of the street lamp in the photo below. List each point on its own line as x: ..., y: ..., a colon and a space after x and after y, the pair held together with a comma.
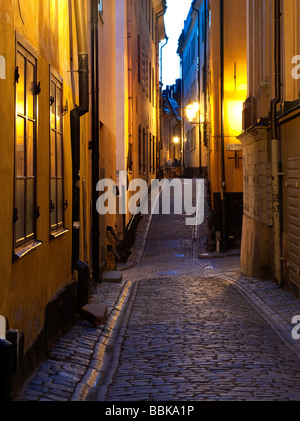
x: 194, y: 116
x: 193, y: 113
x: 176, y: 140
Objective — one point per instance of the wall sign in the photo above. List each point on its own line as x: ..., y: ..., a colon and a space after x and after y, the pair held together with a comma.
x: 234, y: 147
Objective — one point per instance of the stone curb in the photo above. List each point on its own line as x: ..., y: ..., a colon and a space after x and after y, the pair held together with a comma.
x: 103, y: 347
x: 110, y: 359
x: 278, y: 324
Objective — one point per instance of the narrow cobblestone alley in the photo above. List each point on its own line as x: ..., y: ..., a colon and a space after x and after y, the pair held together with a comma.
x: 191, y: 334
x: 190, y: 329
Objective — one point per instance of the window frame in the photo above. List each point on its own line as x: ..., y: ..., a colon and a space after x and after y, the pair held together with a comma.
x: 26, y: 243
x: 140, y: 148
x: 154, y: 154
x: 58, y: 228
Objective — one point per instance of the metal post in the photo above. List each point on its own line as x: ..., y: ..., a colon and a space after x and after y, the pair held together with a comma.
x: 223, y: 186
x: 95, y: 141
x: 275, y: 147
x: 6, y: 370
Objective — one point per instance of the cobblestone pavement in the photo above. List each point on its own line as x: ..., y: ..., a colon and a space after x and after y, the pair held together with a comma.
x: 181, y: 328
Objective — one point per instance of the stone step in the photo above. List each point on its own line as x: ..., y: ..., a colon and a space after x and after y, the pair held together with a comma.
x: 95, y: 313
x: 112, y: 276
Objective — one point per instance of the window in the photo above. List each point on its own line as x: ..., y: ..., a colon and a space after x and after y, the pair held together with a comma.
x: 140, y: 149
x: 191, y: 139
x: 139, y: 58
x: 147, y: 74
x: 193, y: 52
x: 25, y: 209
x: 154, y: 154
x: 153, y: 87
x: 100, y: 9
x: 56, y: 156
x: 151, y: 156
x: 143, y: 66
x: 203, y: 26
x: 144, y: 149
x: 153, y: 29
x: 150, y: 81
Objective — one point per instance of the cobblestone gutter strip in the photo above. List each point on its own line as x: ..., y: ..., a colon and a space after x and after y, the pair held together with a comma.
x: 106, y: 357
x: 103, y: 347
x: 263, y: 305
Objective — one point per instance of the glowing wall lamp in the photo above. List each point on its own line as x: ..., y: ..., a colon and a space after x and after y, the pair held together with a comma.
x: 193, y: 113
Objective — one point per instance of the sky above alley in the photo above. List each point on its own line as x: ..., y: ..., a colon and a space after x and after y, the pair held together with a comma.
x: 177, y: 11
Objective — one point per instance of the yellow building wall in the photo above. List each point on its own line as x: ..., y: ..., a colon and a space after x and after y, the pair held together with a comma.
x: 144, y: 111
x: 27, y: 285
x: 235, y: 90
x: 48, y: 26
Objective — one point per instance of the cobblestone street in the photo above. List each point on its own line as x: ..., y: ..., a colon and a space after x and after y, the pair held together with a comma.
x: 191, y: 329
x: 191, y: 334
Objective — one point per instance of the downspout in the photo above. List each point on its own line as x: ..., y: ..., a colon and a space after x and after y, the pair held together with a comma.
x: 161, y: 61
x: 205, y: 79
x: 130, y: 90
x: 130, y: 118
x: 76, y: 113
x: 179, y: 52
x: 161, y: 103
x: 158, y: 90
x: 276, y: 147
x: 95, y: 141
x: 182, y: 119
x: 223, y: 187
x: 199, y: 92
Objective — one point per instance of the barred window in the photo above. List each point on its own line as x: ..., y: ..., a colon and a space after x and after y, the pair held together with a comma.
x: 154, y: 152
x: 25, y: 210
x: 151, y: 156
x: 140, y: 149
x: 143, y: 66
x: 56, y: 156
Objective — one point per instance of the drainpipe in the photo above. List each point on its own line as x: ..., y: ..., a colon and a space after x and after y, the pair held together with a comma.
x: 76, y: 113
x: 205, y: 75
x: 159, y: 113
x: 130, y: 90
x: 276, y: 147
x: 181, y: 111
x: 223, y: 187
x: 199, y: 91
x: 161, y: 61
x: 161, y: 103
x: 95, y: 141
x: 182, y: 118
